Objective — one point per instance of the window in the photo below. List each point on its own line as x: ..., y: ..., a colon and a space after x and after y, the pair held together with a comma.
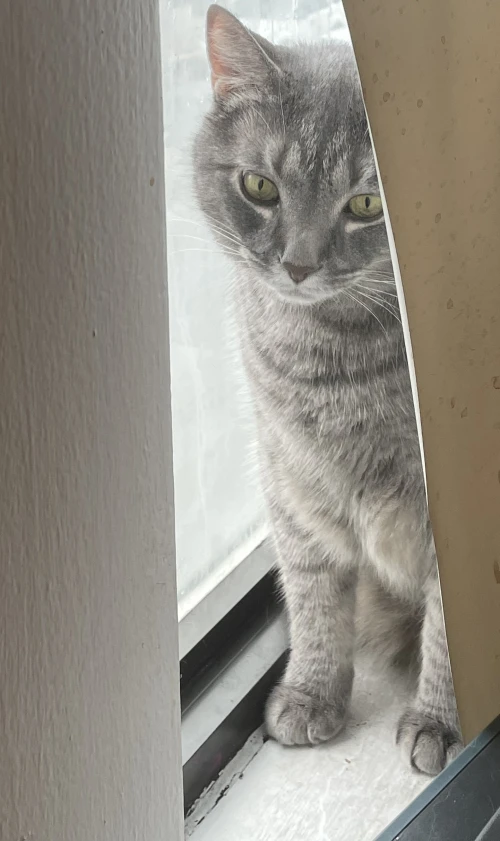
x: 226, y: 590
x: 233, y: 641
x: 220, y: 514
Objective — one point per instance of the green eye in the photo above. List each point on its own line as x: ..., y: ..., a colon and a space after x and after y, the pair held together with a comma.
x: 259, y: 188
x: 366, y: 207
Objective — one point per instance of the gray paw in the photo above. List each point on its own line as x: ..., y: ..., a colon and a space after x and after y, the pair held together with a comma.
x: 428, y: 744
x: 295, y: 718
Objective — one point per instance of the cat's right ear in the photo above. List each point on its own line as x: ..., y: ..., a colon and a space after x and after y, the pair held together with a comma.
x: 240, y: 60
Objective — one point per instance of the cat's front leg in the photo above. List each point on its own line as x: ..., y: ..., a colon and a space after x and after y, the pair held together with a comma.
x: 429, y: 730
x: 310, y: 705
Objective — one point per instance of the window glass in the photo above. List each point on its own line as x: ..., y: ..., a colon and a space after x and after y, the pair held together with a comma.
x: 220, y: 516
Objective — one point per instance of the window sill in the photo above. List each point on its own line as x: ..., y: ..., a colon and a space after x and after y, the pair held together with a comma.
x: 268, y: 793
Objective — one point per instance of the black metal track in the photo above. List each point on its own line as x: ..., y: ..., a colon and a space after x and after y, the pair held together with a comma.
x: 206, y: 663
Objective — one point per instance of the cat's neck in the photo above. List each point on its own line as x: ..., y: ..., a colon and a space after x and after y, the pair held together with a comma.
x: 350, y: 337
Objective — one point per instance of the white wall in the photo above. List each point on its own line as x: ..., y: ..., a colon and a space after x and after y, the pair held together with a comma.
x: 89, y: 747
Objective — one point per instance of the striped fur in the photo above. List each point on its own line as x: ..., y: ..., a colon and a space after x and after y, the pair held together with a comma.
x: 327, y: 365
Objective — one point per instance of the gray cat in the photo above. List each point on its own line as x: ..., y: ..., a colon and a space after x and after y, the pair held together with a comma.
x: 285, y: 174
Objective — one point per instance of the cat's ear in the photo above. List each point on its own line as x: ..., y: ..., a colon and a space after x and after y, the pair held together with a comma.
x: 239, y: 59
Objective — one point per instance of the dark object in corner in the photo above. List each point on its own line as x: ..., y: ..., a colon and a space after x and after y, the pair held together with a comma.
x: 463, y: 803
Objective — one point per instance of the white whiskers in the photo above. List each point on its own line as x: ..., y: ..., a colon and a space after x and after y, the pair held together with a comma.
x: 356, y: 300
x: 224, y: 232
x: 378, y: 299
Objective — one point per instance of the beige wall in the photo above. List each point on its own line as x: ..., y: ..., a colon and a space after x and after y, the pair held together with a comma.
x: 431, y: 76
x: 89, y: 740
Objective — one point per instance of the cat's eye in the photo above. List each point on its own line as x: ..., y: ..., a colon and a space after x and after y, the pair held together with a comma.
x: 365, y: 206
x: 259, y: 188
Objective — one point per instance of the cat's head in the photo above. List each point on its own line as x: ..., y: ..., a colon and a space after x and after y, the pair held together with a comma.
x: 284, y: 169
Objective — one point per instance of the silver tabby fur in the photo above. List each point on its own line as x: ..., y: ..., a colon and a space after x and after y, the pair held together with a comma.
x: 327, y: 364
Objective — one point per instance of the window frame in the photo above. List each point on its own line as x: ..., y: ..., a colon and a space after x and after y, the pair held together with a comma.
x: 202, y: 610
x: 225, y: 681
x: 228, y: 665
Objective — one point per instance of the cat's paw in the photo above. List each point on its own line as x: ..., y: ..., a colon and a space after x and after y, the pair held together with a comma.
x: 427, y: 743
x: 296, y: 718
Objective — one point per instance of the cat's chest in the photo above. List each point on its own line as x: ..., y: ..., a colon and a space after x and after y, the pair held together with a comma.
x: 330, y: 420
x: 322, y: 394
x: 325, y: 389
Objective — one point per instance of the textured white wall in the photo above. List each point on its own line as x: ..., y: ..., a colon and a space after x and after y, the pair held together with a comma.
x: 89, y: 747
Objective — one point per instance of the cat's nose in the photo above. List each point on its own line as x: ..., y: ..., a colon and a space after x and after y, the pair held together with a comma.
x: 299, y: 273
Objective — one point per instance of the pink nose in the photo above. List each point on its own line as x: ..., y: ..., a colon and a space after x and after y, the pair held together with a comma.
x: 299, y: 273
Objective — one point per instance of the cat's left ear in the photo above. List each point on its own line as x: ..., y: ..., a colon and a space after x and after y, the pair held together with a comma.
x: 240, y: 60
